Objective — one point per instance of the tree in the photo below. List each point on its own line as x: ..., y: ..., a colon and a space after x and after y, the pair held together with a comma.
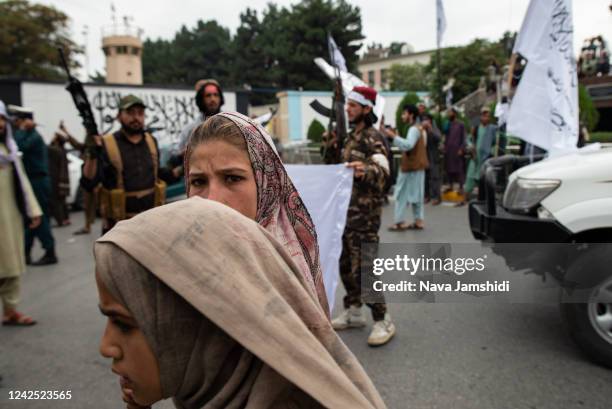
x: 466, y: 64
x: 200, y: 52
x: 589, y: 115
x: 408, y: 77
x: 29, y: 38
x: 295, y: 36
x: 315, y: 131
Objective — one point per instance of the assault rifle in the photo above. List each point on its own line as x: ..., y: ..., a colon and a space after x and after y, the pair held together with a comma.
x: 337, y: 121
x: 76, y: 90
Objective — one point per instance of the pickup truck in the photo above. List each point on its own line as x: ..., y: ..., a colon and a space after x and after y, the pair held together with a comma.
x: 564, y: 199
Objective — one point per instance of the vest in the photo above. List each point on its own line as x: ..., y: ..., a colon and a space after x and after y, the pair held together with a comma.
x: 112, y: 202
x: 416, y: 158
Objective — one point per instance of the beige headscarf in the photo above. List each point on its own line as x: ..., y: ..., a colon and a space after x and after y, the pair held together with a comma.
x: 227, y: 312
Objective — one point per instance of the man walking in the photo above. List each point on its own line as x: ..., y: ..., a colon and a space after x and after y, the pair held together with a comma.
x: 488, y: 143
x: 410, y: 184
x: 365, y: 153
x: 17, y: 205
x: 36, y: 163
x: 454, y: 149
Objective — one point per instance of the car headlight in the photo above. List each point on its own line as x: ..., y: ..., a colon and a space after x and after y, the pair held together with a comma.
x: 524, y: 194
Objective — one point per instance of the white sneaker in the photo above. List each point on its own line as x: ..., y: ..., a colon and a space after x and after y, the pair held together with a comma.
x: 351, y: 318
x: 382, y: 332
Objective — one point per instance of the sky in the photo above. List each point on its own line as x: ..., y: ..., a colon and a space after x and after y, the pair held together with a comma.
x: 384, y: 21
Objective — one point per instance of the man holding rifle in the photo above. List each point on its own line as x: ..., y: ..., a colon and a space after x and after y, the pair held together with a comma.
x: 127, y: 165
x: 363, y: 151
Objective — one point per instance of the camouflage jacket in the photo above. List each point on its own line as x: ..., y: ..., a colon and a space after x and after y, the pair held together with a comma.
x: 365, y: 207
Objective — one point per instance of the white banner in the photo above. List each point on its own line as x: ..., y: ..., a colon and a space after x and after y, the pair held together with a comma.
x: 544, y: 110
x: 326, y: 192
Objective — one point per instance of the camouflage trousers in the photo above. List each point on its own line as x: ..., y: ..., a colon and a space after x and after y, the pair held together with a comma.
x: 350, y: 272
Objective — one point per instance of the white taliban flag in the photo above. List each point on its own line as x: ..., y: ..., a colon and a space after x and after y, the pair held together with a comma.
x: 544, y: 110
x: 336, y: 56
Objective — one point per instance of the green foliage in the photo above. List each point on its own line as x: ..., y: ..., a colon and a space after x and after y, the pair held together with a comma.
x: 193, y: 54
x: 603, y: 137
x: 274, y: 50
x: 315, y: 131
x: 29, y: 38
x: 408, y: 78
x: 588, y: 113
x: 409, y: 98
x: 396, y: 48
x: 466, y: 64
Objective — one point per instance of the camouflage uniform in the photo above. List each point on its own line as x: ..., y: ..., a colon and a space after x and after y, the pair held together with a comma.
x: 364, y: 213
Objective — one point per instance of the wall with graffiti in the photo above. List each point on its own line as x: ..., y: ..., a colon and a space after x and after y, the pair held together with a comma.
x: 168, y: 110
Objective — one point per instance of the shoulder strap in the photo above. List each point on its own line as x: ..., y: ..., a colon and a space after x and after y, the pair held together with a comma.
x: 112, y: 150
x: 153, y: 149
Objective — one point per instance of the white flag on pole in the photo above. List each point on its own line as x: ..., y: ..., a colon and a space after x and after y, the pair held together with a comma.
x: 544, y: 110
x: 440, y: 22
x: 337, y: 59
x: 349, y: 81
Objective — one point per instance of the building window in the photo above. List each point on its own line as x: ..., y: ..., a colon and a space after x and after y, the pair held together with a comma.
x: 371, y: 78
x: 122, y: 49
x: 135, y: 51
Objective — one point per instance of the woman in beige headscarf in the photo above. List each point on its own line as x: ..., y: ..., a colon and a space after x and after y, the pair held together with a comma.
x: 210, y: 310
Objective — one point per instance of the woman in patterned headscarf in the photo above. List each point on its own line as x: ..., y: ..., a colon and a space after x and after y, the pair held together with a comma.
x: 232, y: 160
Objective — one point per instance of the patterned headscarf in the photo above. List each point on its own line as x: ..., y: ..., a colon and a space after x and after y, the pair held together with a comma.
x: 280, y: 208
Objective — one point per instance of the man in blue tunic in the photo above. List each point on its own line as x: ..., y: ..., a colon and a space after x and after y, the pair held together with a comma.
x: 36, y: 163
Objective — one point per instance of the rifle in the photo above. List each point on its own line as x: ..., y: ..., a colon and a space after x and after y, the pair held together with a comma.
x: 335, y: 114
x: 76, y: 90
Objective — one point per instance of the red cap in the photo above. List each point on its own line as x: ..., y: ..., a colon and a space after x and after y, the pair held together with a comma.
x: 363, y: 95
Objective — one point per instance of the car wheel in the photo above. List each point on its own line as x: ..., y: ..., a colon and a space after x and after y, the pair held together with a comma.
x: 590, y: 323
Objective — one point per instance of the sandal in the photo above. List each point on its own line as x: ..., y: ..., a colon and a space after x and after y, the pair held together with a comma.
x: 414, y: 226
x: 84, y: 230
x: 17, y: 319
x: 398, y: 227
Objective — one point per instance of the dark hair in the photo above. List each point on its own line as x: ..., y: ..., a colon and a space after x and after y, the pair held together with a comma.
x: 199, y: 100
x: 411, y: 109
x: 426, y: 115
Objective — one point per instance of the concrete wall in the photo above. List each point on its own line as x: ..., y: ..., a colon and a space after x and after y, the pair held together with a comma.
x: 169, y: 110
x: 295, y: 114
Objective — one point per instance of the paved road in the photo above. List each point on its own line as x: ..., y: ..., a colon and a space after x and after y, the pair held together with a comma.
x: 444, y: 355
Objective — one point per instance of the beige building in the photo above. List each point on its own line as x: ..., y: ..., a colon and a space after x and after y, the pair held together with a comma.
x: 374, y: 66
x: 122, y: 47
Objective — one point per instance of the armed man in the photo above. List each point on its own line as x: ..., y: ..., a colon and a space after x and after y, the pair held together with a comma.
x: 209, y: 99
x: 127, y: 165
x: 364, y: 151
